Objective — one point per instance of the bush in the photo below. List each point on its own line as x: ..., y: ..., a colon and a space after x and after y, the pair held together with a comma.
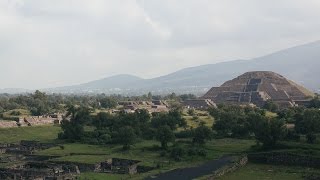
x: 163, y: 153
x: 292, y: 136
x: 191, y: 112
x: 195, y: 117
x: 202, y: 152
x: 15, y: 113
x: 184, y: 134
x: 311, y: 138
x: 177, y: 153
x: 192, y: 152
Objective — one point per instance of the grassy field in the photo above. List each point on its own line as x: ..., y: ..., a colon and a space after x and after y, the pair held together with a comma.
x: 23, y: 113
x: 100, y: 176
x: 39, y: 133
x: 198, y: 118
x: 148, y: 153
x: 267, y: 172
x: 144, y: 151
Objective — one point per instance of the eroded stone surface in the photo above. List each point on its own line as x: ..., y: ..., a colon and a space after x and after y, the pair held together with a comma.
x: 258, y: 87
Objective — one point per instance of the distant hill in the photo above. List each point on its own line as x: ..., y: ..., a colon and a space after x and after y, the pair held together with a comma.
x: 300, y: 64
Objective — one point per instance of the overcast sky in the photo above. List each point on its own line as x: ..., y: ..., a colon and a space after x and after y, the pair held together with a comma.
x: 49, y: 43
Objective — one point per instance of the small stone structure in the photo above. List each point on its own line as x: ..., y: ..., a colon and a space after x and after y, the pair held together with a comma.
x: 150, y: 106
x: 198, y: 103
x: 119, y: 166
x: 33, y: 121
x: 25, y: 147
x: 40, y: 120
x: 8, y: 124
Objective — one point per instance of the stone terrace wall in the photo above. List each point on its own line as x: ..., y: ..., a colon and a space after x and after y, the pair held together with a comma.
x: 240, y: 162
x: 284, y: 158
x: 8, y: 124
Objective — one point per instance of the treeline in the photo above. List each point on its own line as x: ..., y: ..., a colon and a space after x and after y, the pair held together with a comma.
x: 128, y: 129
x: 40, y: 103
x: 120, y: 128
x: 246, y: 122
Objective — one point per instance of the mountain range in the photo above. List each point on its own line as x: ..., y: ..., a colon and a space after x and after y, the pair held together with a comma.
x: 300, y: 64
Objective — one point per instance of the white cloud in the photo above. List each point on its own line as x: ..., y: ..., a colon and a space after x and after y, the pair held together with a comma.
x: 46, y: 43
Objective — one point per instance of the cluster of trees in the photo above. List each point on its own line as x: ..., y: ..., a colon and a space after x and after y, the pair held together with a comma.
x: 127, y: 129
x: 40, y: 103
x: 121, y: 128
x: 246, y: 122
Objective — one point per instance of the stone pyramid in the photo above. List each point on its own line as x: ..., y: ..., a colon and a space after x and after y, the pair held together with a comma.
x: 257, y: 88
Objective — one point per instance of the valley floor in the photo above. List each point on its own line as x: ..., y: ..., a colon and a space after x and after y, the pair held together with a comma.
x: 145, y: 151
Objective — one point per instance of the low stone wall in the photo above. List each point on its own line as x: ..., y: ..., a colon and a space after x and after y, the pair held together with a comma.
x: 8, y: 124
x: 238, y: 163
x: 284, y: 158
x: 83, y: 167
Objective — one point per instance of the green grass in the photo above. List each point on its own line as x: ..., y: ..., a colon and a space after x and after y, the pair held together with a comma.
x: 39, y: 133
x: 267, y: 172
x: 22, y: 111
x: 194, y: 123
x: 102, y: 176
x: 271, y: 114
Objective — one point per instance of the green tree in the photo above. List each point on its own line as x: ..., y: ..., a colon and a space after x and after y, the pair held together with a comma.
x: 165, y: 135
x: 73, y: 126
x: 271, y: 106
x: 103, y: 120
x: 269, y: 131
x: 308, y: 123
x: 108, y: 102
x: 126, y: 137
x: 315, y: 102
x: 201, y: 134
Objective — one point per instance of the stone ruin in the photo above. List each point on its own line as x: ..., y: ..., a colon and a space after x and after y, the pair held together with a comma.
x: 257, y: 88
x: 33, y: 121
x: 119, y: 166
x: 151, y: 106
x: 40, y: 120
x: 18, y: 161
x: 40, y: 170
x: 198, y: 103
x: 24, y: 147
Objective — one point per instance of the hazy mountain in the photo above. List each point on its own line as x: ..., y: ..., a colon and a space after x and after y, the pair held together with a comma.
x: 300, y: 64
x: 14, y: 90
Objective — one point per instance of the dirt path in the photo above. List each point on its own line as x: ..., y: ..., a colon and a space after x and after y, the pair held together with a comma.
x: 194, y: 172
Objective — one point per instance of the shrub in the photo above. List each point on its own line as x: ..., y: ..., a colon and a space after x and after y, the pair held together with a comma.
x: 292, y: 136
x: 202, y: 152
x: 184, y: 134
x: 311, y: 138
x: 177, y: 153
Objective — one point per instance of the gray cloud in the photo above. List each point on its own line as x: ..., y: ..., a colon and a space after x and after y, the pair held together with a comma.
x: 45, y: 43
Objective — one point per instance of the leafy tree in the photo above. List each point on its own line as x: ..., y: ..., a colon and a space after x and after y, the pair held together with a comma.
x: 108, y: 102
x: 177, y: 153
x: 308, y: 123
x: 165, y: 135
x: 191, y: 112
x: 269, y: 131
x: 126, y: 137
x: 201, y: 134
x: 103, y: 120
x: 73, y: 129
x: 315, y: 102
x: 173, y: 119
x: 271, y: 106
